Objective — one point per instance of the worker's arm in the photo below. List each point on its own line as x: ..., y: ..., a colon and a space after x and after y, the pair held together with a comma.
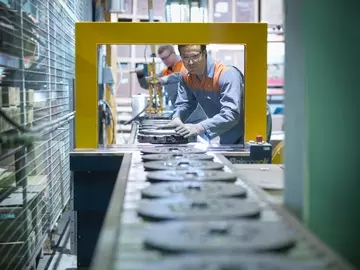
x: 231, y: 92
x: 144, y: 80
x: 164, y: 80
x: 185, y: 103
x: 170, y: 79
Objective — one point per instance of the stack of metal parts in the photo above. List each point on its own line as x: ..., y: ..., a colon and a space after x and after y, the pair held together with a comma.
x: 152, y: 131
x: 164, y: 116
x: 183, y: 209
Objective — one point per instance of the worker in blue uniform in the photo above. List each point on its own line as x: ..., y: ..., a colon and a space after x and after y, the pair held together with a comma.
x: 219, y: 89
x: 169, y: 78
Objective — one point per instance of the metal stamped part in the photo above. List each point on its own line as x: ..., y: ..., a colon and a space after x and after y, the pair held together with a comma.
x: 221, y: 236
x: 183, y: 164
x: 173, y: 150
x: 156, y: 117
x: 198, y: 209
x: 193, y: 189
x: 128, y: 251
x: 234, y: 262
x: 164, y: 139
x: 191, y: 175
x: 155, y: 121
x: 148, y: 127
x: 156, y: 157
x: 155, y: 132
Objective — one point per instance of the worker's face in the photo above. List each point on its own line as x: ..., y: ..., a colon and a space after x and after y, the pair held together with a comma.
x: 194, y: 59
x: 167, y: 58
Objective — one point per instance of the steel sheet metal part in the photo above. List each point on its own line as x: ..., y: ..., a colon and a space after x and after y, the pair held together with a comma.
x: 148, y: 127
x: 234, y: 262
x: 220, y: 236
x: 153, y: 125
x: 164, y: 139
x: 155, y: 132
x: 183, y: 164
x: 157, y: 117
x: 198, y: 209
x: 173, y: 150
x: 193, y: 189
x: 156, y: 157
x: 156, y: 121
x: 191, y: 175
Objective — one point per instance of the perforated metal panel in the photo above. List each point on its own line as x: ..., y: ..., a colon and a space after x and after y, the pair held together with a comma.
x: 36, y: 83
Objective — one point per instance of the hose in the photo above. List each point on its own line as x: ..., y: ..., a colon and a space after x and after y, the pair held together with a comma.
x: 135, y: 117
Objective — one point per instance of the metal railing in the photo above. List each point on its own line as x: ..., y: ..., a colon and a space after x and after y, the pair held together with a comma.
x: 36, y: 84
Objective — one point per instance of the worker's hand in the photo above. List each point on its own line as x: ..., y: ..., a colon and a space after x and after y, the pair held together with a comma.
x: 189, y: 130
x: 140, y: 72
x: 159, y: 81
x: 174, y: 123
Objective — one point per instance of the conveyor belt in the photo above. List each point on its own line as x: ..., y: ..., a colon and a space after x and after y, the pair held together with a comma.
x: 120, y: 246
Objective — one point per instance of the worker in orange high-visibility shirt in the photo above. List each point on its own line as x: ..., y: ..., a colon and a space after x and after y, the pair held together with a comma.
x: 169, y: 78
x: 219, y: 89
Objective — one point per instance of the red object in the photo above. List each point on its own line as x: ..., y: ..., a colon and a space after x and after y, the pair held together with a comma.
x: 275, y: 82
x: 259, y: 139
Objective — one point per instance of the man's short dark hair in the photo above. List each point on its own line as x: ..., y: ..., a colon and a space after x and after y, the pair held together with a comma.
x: 166, y: 47
x: 202, y: 47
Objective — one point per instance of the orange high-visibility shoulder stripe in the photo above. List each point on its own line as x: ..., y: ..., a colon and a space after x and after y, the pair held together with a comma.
x: 219, y: 69
x: 178, y: 67
x: 207, y: 83
x: 183, y: 70
x: 187, y: 79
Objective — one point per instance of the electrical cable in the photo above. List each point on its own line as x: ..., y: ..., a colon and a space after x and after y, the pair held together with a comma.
x: 113, y: 136
x: 135, y: 117
x: 145, y: 54
x: 112, y: 119
x: 109, y: 109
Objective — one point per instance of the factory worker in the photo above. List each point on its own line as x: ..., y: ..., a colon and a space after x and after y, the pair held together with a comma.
x: 169, y: 78
x: 218, y: 89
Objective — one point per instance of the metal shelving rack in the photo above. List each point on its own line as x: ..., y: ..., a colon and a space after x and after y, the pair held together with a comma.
x: 36, y: 82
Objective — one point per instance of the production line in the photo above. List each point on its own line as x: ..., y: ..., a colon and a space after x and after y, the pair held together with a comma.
x: 174, y: 206
x: 166, y: 202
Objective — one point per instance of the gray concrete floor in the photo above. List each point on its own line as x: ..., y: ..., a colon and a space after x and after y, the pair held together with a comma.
x: 61, y: 257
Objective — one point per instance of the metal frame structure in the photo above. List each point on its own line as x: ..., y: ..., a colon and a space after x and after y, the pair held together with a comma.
x: 89, y: 35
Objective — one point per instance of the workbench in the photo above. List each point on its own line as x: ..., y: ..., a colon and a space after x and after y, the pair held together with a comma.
x: 119, y: 171
x: 268, y: 177
x: 107, y: 190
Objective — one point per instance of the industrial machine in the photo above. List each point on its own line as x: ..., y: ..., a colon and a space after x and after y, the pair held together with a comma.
x: 155, y: 90
x: 155, y: 106
x: 191, y: 187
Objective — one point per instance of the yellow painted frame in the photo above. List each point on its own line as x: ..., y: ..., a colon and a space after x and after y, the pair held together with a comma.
x: 88, y: 35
